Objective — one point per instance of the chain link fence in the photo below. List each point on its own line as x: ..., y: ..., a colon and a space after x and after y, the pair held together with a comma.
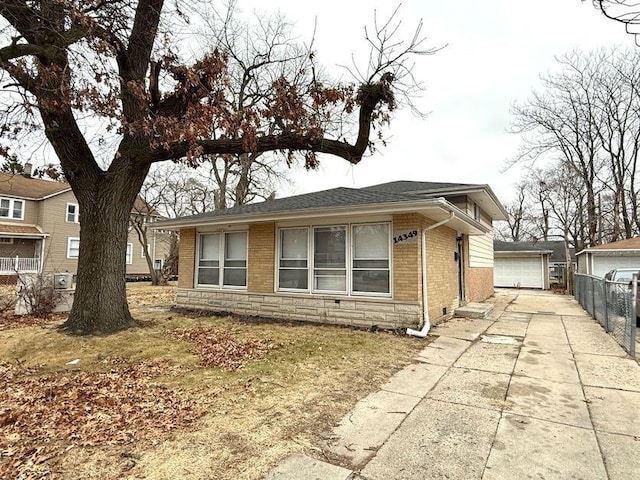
x: 612, y: 304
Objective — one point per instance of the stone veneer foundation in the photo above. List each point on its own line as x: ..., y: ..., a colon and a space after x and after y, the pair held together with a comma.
x: 359, y: 312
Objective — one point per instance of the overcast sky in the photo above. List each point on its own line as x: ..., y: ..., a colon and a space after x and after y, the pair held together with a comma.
x: 496, y: 51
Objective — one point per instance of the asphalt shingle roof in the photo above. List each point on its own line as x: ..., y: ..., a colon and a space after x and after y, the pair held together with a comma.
x: 27, y: 187
x: 407, y: 186
x: 391, y: 192
x: 628, y: 244
x: 9, y: 228
x: 556, y: 247
x: 336, y: 197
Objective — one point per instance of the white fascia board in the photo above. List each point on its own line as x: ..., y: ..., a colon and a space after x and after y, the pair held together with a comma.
x: 483, y: 189
x: 35, y: 199
x: 23, y: 235
x: 512, y: 253
x: 605, y: 250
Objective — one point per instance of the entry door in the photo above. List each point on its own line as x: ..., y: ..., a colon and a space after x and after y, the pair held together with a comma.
x: 460, y: 269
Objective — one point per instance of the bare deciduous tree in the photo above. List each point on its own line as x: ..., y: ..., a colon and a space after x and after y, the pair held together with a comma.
x: 588, y: 117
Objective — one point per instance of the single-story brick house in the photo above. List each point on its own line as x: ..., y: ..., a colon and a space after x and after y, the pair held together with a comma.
x: 391, y: 255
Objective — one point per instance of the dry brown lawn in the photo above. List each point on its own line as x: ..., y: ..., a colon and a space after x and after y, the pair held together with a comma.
x: 183, y: 396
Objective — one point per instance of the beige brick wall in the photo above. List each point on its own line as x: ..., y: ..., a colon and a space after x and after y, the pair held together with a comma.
x: 442, y: 271
x: 407, y: 279
x: 479, y: 284
x: 261, y: 264
x: 187, y: 254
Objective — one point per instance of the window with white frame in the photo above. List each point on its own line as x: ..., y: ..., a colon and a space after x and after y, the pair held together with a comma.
x: 353, y: 259
x: 142, y: 255
x: 73, y: 247
x: 293, y: 268
x: 235, y: 259
x: 129, y: 254
x: 222, y: 259
x: 329, y: 259
x: 476, y: 211
x: 370, y: 258
x: 73, y: 213
x: 209, y: 259
x: 12, y: 208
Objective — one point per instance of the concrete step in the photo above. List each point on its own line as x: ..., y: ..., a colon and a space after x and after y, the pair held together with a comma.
x: 474, y: 310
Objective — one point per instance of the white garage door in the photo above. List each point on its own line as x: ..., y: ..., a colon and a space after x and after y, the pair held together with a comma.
x: 518, y: 272
x: 601, y: 265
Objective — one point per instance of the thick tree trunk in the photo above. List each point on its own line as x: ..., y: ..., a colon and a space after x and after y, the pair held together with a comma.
x: 100, y: 303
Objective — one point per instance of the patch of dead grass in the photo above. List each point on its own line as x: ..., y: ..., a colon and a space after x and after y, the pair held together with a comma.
x: 283, y: 400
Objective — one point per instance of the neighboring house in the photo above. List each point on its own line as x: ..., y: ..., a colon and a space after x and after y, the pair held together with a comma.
x: 348, y: 256
x: 599, y: 260
x: 537, y: 264
x: 40, y: 229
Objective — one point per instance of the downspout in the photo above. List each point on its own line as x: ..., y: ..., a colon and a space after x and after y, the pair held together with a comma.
x: 426, y: 325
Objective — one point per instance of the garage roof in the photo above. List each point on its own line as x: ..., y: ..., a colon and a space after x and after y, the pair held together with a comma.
x: 500, y: 246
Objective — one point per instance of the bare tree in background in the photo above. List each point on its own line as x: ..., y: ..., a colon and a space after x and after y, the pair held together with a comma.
x: 518, y: 224
x: 561, y: 121
x: 588, y: 116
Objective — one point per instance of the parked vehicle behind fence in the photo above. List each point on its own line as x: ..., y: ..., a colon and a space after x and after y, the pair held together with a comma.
x: 618, y: 297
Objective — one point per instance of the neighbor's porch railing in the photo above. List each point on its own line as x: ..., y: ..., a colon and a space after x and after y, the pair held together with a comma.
x: 12, y: 265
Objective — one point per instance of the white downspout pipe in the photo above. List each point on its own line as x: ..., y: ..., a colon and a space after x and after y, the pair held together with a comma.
x: 426, y: 325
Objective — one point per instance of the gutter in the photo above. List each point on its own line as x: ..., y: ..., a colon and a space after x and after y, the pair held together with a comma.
x: 426, y: 325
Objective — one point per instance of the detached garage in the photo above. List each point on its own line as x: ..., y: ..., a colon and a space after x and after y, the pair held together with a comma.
x: 520, y: 265
x: 599, y: 260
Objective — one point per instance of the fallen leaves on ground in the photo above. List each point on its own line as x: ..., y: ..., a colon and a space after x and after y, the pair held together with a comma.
x: 9, y: 321
x: 145, y: 295
x: 219, y: 348
x: 42, y: 415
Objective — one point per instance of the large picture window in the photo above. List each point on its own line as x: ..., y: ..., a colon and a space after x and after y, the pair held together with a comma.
x: 353, y: 259
x: 294, y: 268
x: 222, y: 259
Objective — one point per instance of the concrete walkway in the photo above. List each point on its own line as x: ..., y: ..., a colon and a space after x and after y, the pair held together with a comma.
x: 538, y: 391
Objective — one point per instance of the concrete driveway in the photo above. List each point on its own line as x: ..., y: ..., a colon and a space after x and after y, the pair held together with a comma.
x: 537, y: 390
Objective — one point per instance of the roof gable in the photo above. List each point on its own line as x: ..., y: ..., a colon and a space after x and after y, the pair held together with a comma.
x: 29, y: 187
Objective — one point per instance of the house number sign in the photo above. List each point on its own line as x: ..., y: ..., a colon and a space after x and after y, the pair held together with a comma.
x: 409, y: 236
